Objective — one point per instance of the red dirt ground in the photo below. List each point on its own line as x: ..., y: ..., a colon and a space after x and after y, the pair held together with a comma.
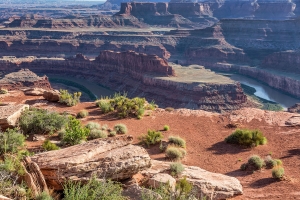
x: 206, y: 148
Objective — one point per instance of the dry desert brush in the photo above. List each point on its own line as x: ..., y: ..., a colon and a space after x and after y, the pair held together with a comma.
x: 68, y: 98
x: 278, y: 172
x: 176, y: 168
x: 175, y: 152
x: 245, y: 137
x: 82, y: 114
x: 178, y: 141
x: 121, y: 128
x: 254, y: 163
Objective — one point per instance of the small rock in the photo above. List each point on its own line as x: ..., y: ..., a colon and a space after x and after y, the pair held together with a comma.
x: 52, y: 96
x: 34, y: 92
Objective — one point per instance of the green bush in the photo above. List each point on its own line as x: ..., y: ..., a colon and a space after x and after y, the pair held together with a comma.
x: 104, y: 127
x: 120, y: 128
x: 11, y: 140
x: 278, y: 172
x: 49, y: 146
x: 3, y: 91
x: 270, y: 163
x: 151, y: 138
x: 112, y: 133
x: 175, y: 153
x: 93, y: 125
x: 166, y: 128
x: 95, y: 134
x: 104, y: 105
x: 93, y: 190
x: 44, y: 196
x: 254, y: 163
x: 279, y: 162
x: 176, y: 168
x: 125, y: 107
x: 248, y: 138
x: 178, y: 141
x: 69, y: 99
x: 39, y: 121
x: 183, y: 188
x: 74, y: 132
x: 82, y: 114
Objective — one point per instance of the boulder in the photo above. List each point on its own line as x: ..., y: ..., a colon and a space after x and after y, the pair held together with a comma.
x: 34, y: 92
x: 295, y: 108
x: 4, y: 198
x: 161, y: 179
x: 212, y: 185
x: 293, y: 121
x: 110, y: 158
x: 10, y: 114
x: 51, y: 95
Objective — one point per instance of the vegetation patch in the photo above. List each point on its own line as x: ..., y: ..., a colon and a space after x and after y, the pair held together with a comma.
x: 278, y: 172
x: 93, y: 190
x: 39, y: 121
x: 82, y: 114
x: 11, y: 140
x: 176, y: 168
x: 68, y: 98
x: 248, y: 138
x: 254, y: 163
x: 151, y: 138
x: 166, y: 128
x: 74, y: 132
x: 178, y: 141
x: 121, y: 128
x: 175, y: 153
x: 49, y: 146
x: 123, y: 106
x: 3, y: 91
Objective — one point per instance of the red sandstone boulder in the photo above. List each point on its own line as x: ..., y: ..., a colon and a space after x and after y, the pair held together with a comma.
x: 51, y: 95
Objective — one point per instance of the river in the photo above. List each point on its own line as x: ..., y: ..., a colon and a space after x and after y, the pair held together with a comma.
x: 266, y: 92
x: 95, y: 88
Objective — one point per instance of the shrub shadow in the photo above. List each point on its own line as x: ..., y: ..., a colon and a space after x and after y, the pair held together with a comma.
x: 291, y: 153
x: 239, y: 173
x: 263, y: 182
x: 221, y: 148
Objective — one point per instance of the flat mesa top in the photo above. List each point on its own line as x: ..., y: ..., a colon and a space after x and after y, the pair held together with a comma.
x: 22, y: 75
x: 196, y: 74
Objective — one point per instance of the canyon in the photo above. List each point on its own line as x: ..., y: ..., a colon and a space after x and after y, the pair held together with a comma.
x: 147, y: 76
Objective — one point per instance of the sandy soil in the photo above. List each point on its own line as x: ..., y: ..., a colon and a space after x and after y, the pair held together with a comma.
x: 204, y: 133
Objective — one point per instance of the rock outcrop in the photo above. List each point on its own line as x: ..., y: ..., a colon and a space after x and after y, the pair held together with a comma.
x: 22, y: 78
x: 10, y: 114
x: 295, y: 108
x: 51, y: 95
x: 112, y: 158
x: 213, y: 186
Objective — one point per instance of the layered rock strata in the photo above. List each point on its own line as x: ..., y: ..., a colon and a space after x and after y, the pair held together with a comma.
x: 151, y: 77
x: 22, y: 78
x: 112, y: 158
x: 9, y: 114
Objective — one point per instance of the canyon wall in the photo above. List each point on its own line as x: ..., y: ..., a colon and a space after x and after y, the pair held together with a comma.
x: 146, y: 76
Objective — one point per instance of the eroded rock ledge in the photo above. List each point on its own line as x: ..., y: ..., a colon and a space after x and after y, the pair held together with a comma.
x: 148, y: 76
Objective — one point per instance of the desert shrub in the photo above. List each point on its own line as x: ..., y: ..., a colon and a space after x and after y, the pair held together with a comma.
x: 248, y: 138
x: 93, y: 125
x: 279, y: 162
x: 166, y: 128
x: 176, y: 168
x: 3, y: 91
x: 93, y: 190
x: 11, y: 140
x: 68, y: 98
x: 120, y: 128
x: 254, y: 163
x: 152, y: 137
x: 175, y: 153
x: 178, y: 141
x: 183, y: 187
x: 49, y: 146
x: 39, y: 121
x: 125, y: 107
x: 112, y: 133
x: 74, y: 132
x: 278, y: 172
x: 270, y: 163
x: 104, y: 127
x: 44, y: 196
x: 82, y: 114
x: 61, y: 133
x: 104, y: 105
x: 95, y: 134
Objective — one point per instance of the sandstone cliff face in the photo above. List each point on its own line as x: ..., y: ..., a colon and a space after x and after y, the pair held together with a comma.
x: 286, y: 61
x: 147, y: 76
